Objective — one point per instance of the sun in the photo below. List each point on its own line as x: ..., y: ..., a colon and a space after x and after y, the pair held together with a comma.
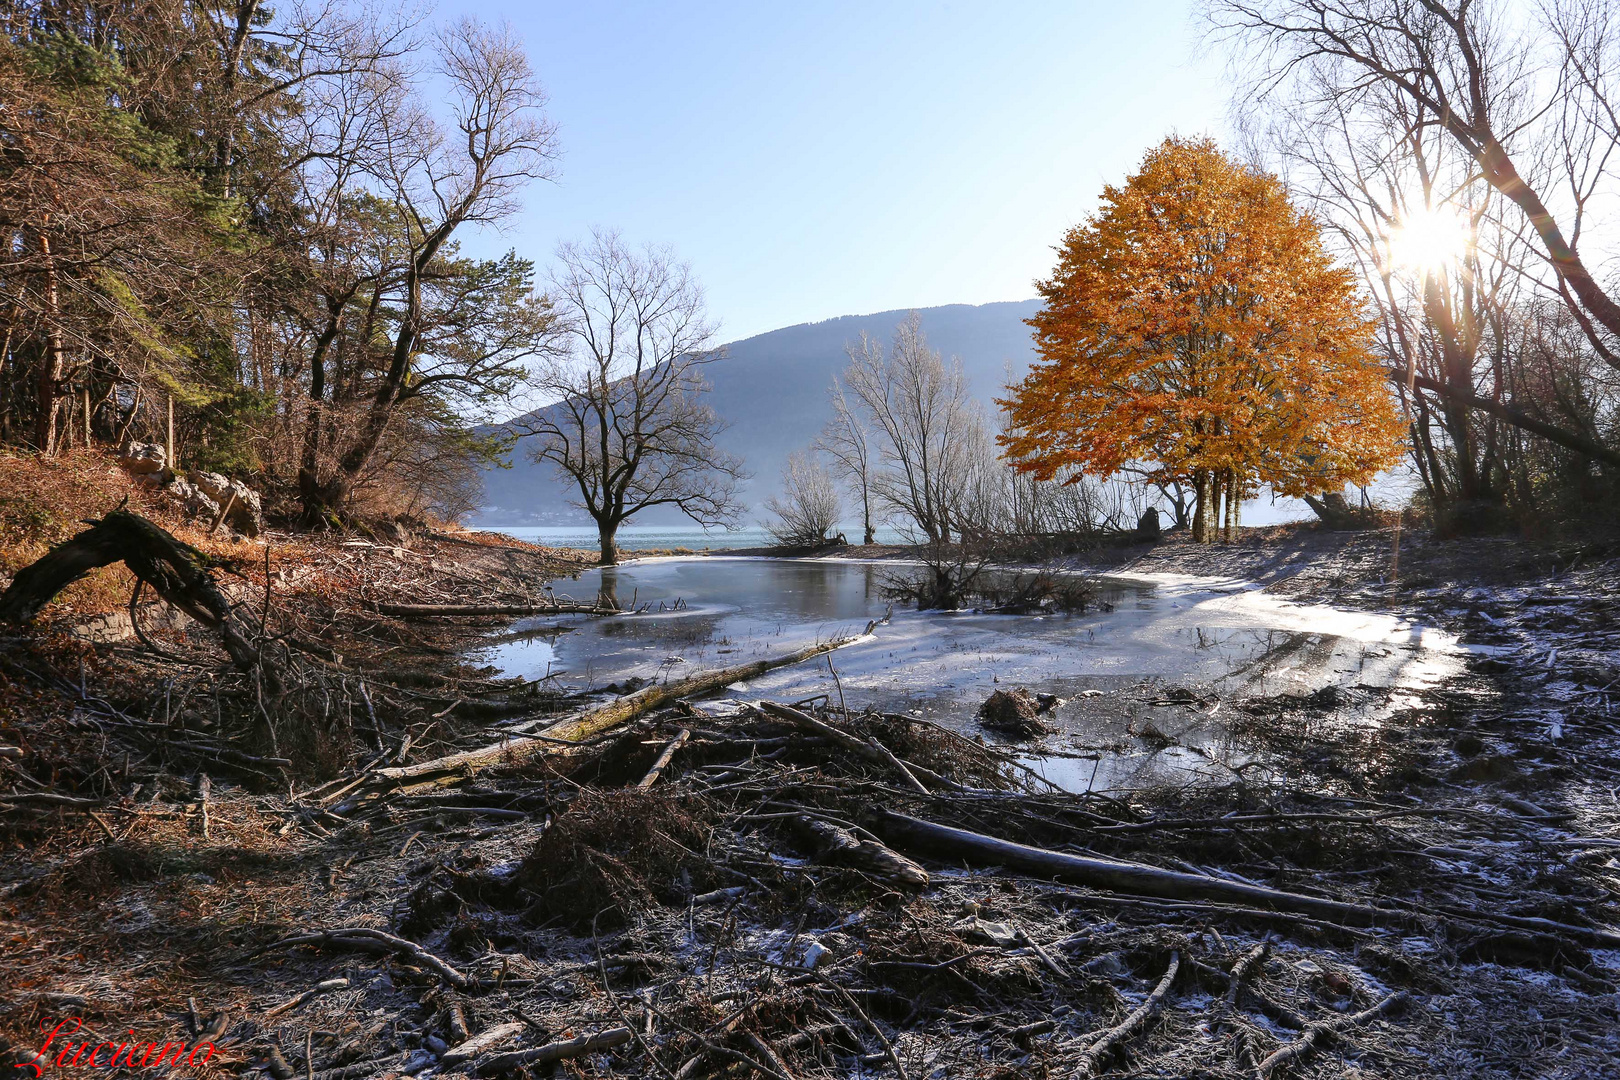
x: 1429, y: 240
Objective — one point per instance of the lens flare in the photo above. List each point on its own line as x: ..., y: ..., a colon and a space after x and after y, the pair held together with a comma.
x: 1429, y: 240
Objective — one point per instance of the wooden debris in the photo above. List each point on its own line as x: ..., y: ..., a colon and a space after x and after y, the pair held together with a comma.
x: 487, y: 1039
x: 373, y: 940
x: 552, y: 1052
x: 665, y: 758
x: 516, y: 611
x: 1116, y: 875
x: 598, y: 720
x: 1103, y: 1045
x: 178, y: 572
x: 308, y: 995
x: 840, y: 846
x: 872, y: 751
x: 1315, y: 1033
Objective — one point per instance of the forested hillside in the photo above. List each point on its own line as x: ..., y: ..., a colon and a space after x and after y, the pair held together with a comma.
x: 232, y: 232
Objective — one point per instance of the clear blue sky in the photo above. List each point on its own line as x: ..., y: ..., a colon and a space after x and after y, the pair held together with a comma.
x: 824, y: 158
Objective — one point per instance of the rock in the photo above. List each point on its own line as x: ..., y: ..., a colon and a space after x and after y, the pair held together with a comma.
x: 1012, y: 712
x: 246, y: 515
x: 1147, y: 526
x: 193, y: 500
x: 142, y: 458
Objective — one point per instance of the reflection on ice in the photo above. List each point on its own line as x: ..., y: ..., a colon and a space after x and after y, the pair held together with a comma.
x: 1229, y: 638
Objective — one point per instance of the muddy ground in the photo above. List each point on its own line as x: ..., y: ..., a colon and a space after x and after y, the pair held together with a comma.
x: 760, y: 905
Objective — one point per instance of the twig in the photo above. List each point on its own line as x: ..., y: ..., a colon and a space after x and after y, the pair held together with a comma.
x: 888, y: 1047
x: 1110, y: 1039
x: 365, y: 937
x: 1303, y: 1045
x: 318, y: 989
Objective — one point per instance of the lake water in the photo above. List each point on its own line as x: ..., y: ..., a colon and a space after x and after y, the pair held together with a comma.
x: 667, y: 537
x: 1226, y: 641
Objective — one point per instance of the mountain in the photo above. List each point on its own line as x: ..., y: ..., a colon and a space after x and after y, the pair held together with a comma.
x: 772, y: 390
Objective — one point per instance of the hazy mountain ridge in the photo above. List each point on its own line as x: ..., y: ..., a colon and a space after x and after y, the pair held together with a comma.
x: 772, y: 391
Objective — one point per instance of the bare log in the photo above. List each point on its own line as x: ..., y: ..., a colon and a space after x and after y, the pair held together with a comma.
x: 556, y: 1051
x: 441, y: 611
x: 910, y: 833
x: 840, y: 846
x: 178, y: 572
x: 1303, y: 1045
x: 1104, y: 1045
x: 598, y: 720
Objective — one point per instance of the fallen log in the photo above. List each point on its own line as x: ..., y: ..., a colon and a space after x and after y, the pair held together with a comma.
x: 441, y: 611
x: 556, y: 1051
x: 1303, y: 1045
x: 1104, y: 1044
x: 911, y: 833
x: 596, y: 721
x: 178, y: 572
x: 841, y: 847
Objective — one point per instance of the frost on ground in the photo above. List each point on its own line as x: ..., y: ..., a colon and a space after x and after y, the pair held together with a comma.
x: 1399, y: 860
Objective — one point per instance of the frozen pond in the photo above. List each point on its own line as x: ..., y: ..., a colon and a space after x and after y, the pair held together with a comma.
x: 1146, y: 640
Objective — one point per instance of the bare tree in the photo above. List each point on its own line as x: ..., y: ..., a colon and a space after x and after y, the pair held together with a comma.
x: 1499, y: 123
x: 846, y: 441
x: 436, y: 183
x: 1529, y: 96
x: 629, y: 426
x: 807, y: 509
x: 922, y: 418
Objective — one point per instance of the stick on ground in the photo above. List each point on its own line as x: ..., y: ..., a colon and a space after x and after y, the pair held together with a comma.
x: 1099, y: 1050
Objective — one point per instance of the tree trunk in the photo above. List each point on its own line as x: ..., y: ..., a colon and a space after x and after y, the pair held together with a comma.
x: 1231, y: 487
x: 53, y: 365
x: 177, y: 571
x: 610, y: 549
x: 1202, y: 513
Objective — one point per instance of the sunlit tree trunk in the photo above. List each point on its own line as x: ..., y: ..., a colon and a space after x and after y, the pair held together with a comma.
x: 54, y: 361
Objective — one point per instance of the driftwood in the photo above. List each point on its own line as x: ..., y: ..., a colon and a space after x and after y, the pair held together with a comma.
x: 911, y: 833
x: 438, y: 611
x: 178, y: 572
x: 842, y: 847
x: 369, y: 939
x: 1105, y: 1043
x: 556, y: 1051
x: 665, y: 758
x: 598, y: 720
x: 872, y: 751
x: 1303, y: 1045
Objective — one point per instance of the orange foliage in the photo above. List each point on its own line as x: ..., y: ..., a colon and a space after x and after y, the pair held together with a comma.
x: 1196, y: 329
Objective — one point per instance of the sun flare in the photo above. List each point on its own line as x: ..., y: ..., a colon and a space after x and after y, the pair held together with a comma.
x: 1429, y: 240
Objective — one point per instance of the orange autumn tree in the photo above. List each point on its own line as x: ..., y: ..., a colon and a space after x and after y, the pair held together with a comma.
x: 1197, y: 332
